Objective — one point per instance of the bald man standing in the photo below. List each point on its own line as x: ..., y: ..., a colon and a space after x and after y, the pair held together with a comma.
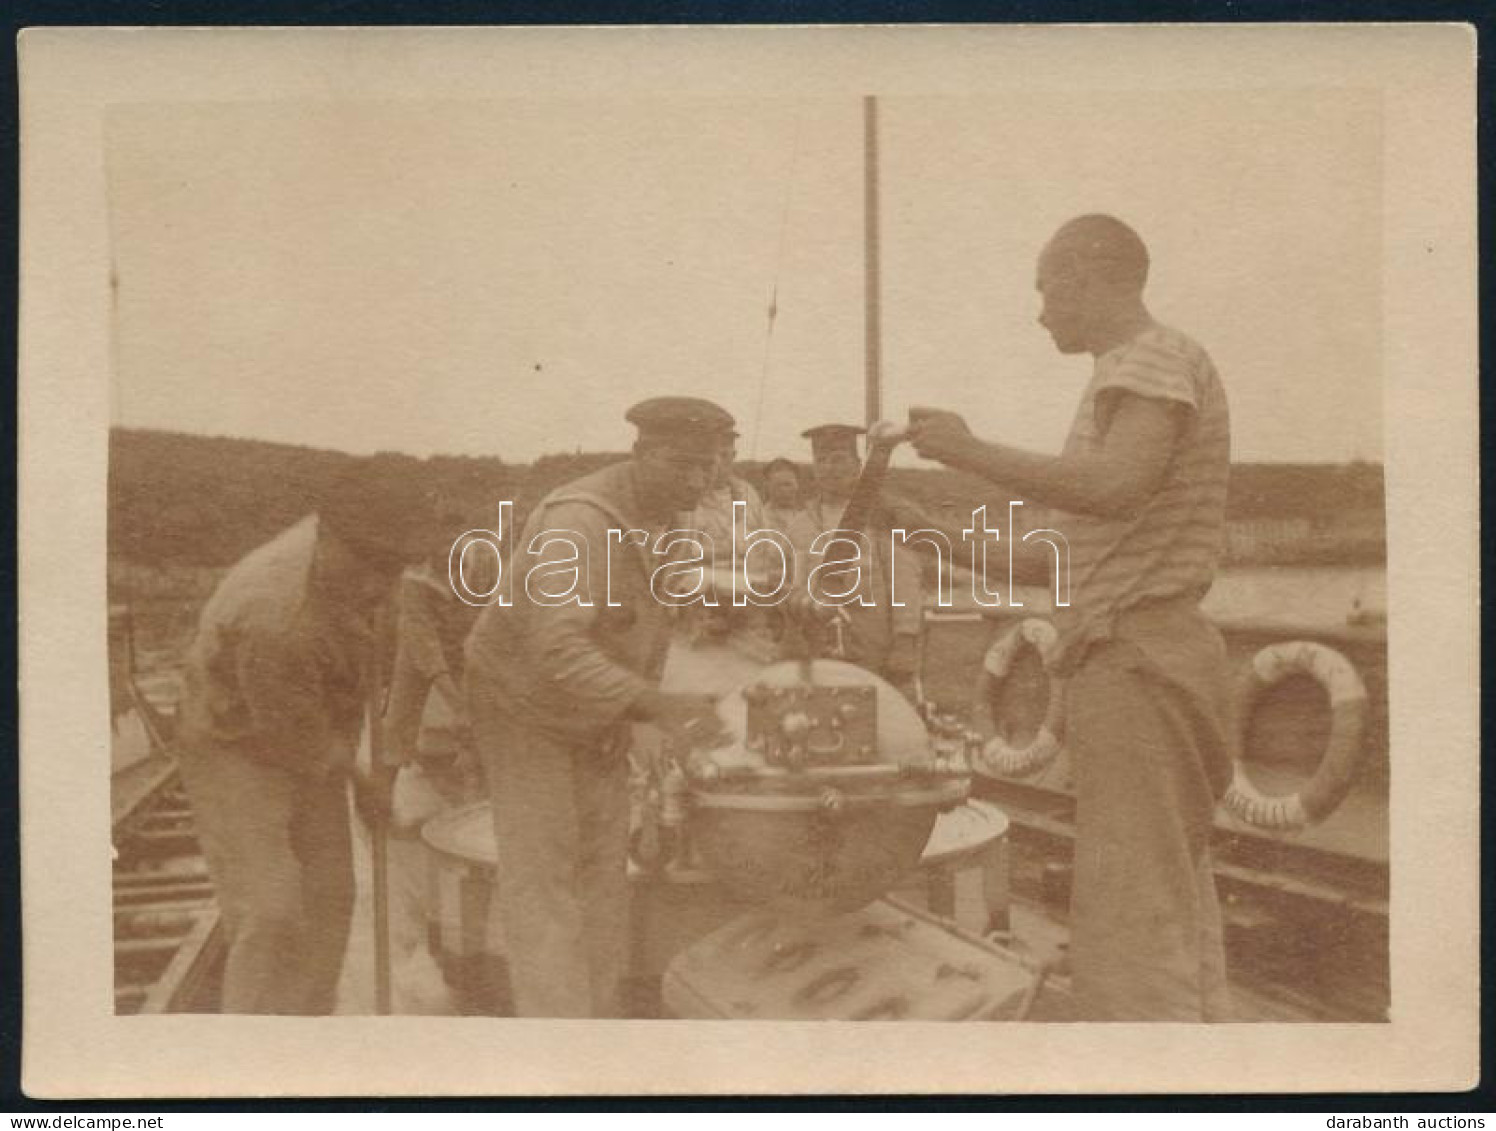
x: 1139, y: 492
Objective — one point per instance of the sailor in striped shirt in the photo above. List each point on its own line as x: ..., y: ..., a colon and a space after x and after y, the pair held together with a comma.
x: 1139, y: 494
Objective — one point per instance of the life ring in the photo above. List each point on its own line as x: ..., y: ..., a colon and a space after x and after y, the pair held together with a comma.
x: 1342, y: 757
x: 998, y: 756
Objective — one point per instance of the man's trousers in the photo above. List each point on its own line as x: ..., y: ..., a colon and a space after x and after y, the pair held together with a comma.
x: 280, y: 853
x: 561, y: 814
x: 1146, y: 732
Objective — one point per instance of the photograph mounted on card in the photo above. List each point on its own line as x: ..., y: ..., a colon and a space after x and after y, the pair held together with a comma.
x: 860, y: 525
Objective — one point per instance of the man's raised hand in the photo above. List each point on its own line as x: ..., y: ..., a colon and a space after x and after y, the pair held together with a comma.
x: 937, y: 434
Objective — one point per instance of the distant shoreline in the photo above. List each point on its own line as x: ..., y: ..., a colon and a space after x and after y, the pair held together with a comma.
x: 189, y: 500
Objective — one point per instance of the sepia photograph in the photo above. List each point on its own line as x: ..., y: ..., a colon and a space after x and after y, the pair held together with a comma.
x: 871, y: 531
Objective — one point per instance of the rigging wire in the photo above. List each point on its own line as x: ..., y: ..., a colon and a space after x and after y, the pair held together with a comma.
x: 773, y: 311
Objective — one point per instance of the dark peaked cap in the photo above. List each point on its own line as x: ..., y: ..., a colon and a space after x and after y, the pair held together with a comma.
x: 681, y: 418
x: 378, y: 505
x: 833, y: 437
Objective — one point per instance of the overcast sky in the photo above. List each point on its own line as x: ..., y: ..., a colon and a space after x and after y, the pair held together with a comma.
x: 505, y: 278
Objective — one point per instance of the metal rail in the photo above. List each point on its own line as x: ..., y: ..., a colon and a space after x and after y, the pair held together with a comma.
x: 168, y: 948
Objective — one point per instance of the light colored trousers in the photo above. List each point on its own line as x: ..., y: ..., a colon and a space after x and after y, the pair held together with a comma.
x: 281, y: 857
x: 1146, y: 940
x: 561, y: 814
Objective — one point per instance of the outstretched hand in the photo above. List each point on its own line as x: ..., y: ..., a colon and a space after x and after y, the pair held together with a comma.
x: 373, y: 794
x: 689, y: 717
x: 937, y: 434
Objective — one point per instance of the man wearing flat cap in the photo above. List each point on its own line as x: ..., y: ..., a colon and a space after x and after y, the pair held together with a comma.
x: 554, y: 687
x: 879, y: 635
x: 273, y: 696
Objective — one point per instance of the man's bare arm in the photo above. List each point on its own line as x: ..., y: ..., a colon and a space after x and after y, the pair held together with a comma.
x: 1112, y: 482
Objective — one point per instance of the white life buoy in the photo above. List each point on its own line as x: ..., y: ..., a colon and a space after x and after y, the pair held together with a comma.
x: 1342, y: 757
x: 998, y: 756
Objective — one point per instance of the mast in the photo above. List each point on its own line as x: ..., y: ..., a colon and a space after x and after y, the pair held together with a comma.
x: 869, y: 484
x: 872, y: 321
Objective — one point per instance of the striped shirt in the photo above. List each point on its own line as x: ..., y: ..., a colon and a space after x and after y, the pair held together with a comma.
x: 1170, y: 549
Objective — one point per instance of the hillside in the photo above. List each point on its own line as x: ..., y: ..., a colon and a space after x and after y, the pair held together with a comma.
x: 187, y: 500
